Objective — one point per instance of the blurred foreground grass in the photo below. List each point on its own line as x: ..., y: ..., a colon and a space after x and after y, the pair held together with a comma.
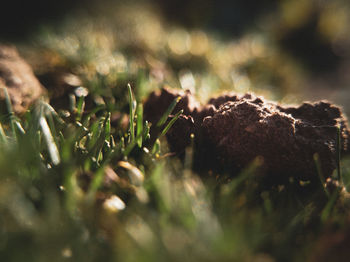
x: 79, y: 180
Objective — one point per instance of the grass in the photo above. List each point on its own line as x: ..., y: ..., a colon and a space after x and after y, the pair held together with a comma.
x: 64, y: 196
x: 81, y: 184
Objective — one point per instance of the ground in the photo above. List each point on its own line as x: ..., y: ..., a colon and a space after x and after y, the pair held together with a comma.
x: 86, y: 173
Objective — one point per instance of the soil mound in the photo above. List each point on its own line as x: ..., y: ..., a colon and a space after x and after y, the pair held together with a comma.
x: 158, y: 102
x: 231, y: 131
x: 17, y: 76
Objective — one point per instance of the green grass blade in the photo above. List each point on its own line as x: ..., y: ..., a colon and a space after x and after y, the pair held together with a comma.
x: 70, y: 189
x: 53, y: 113
x: 87, y: 118
x: 129, y: 148
x: 172, y: 121
x: 131, y: 114
x: 156, y: 147
x: 3, y: 137
x: 146, y: 130
x: 170, y: 109
x: 338, y: 153
x: 139, y: 124
x: 10, y: 112
x: 320, y: 174
x: 112, y: 142
x: 96, y: 181
x: 95, y: 130
x: 327, y: 211
x: 19, y: 127
x: 72, y: 103
x: 52, y: 148
x: 98, y: 140
x: 80, y: 108
x: 107, y: 126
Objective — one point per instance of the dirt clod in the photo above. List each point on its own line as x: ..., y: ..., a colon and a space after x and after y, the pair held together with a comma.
x: 179, y: 136
x: 17, y: 76
x: 332, y: 246
x: 240, y: 131
x: 159, y: 101
x: 231, y: 131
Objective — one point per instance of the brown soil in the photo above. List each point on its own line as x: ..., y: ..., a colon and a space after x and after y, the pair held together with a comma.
x: 158, y: 102
x: 332, y: 246
x: 231, y: 131
x: 17, y: 76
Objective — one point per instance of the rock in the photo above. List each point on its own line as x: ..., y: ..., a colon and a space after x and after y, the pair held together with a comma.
x: 231, y: 131
x: 17, y: 76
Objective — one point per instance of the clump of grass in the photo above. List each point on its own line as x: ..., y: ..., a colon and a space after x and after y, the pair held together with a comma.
x: 170, y: 213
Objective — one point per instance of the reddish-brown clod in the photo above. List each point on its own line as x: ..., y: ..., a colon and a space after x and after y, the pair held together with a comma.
x: 231, y: 131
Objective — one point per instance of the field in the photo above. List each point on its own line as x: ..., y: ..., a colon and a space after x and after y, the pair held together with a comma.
x: 85, y: 177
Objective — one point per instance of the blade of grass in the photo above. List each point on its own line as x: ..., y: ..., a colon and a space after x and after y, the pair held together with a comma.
x: 112, y: 142
x: 95, y: 131
x: 53, y: 113
x: 320, y: 174
x: 107, y: 151
x: 139, y: 124
x: 50, y: 113
x: 156, y: 147
x: 96, y: 181
x: 107, y: 126
x: 52, y: 148
x: 80, y: 108
x: 189, y: 154
x: 70, y: 188
x: 129, y: 148
x: 327, y: 211
x: 86, y: 119
x: 166, y: 114
x: 338, y: 151
x: 3, y: 137
x: 100, y: 139
x: 126, y: 151
x: 170, y: 124
x: 10, y: 112
x: 146, y: 129
x: 19, y: 127
x: 131, y: 114
x: 72, y: 103
x: 81, y: 131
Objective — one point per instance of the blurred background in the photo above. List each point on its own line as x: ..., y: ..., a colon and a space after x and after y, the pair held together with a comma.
x: 288, y: 50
